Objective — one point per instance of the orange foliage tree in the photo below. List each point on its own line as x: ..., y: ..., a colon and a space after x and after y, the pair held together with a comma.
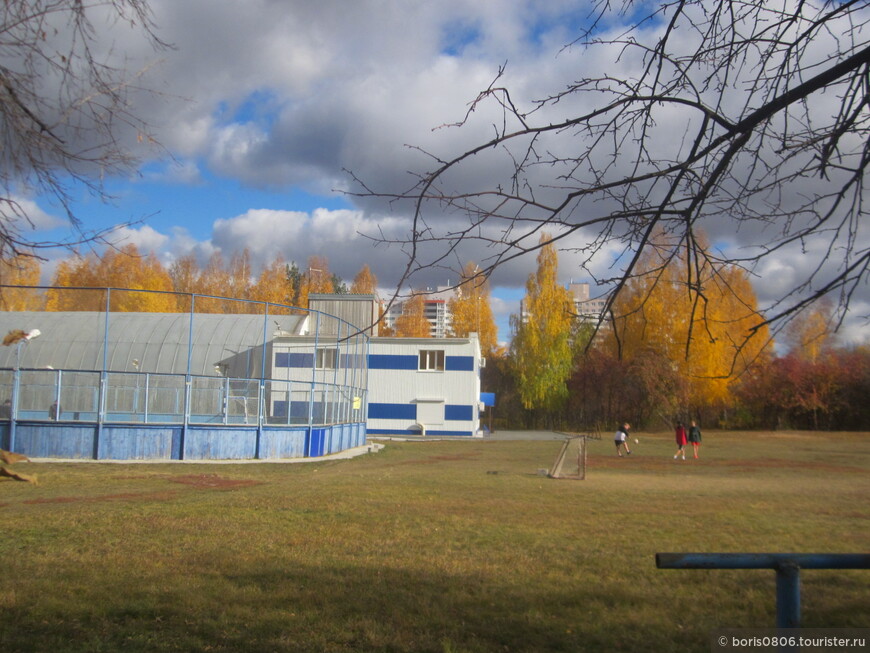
x: 123, y: 268
x: 20, y: 271
x: 708, y: 333
x: 365, y: 282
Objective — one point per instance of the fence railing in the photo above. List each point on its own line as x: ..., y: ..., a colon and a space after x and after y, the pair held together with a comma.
x: 152, y: 398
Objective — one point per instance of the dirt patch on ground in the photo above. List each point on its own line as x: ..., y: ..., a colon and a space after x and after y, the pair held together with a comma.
x: 152, y: 496
x: 196, y: 481
x: 212, y: 481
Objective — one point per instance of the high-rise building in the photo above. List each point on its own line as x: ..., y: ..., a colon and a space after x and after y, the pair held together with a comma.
x: 435, y: 309
x: 587, y: 309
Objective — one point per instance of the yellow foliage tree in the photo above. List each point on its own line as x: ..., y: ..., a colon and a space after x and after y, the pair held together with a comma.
x: 471, y: 312
x: 412, y: 323
x: 809, y: 334
x: 20, y: 271
x: 126, y: 270
x: 273, y: 285
x: 699, y: 330
x: 541, y: 348
x: 76, y: 272
x: 365, y: 282
x: 316, y: 279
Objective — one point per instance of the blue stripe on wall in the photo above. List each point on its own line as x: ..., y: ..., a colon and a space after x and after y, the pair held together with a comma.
x: 457, y: 412
x: 287, y: 359
x: 459, y: 364
x: 393, y: 411
x: 392, y: 362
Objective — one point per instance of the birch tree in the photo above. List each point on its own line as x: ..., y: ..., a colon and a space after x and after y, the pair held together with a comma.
x: 541, y: 347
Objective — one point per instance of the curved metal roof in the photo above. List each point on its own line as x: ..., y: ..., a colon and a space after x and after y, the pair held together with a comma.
x: 147, y: 342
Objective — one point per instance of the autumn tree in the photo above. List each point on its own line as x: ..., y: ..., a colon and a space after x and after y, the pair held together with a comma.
x: 315, y: 279
x: 20, y: 271
x: 541, y: 348
x: 412, y: 323
x: 365, y: 282
x: 123, y: 268
x: 240, y: 277
x: 272, y: 284
x: 701, y: 333
x: 184, y: 273
x: 810, y: 335
x: 471, y: 312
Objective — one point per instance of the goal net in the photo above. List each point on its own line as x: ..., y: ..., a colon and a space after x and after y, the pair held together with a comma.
x: 571, y: 461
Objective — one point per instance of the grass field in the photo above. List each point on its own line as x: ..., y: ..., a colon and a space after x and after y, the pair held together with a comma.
x: 438, y: 546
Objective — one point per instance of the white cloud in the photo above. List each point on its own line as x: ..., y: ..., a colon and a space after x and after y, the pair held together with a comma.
x: 37, y: 218
x: 145, y: 238
x: 283, y: 94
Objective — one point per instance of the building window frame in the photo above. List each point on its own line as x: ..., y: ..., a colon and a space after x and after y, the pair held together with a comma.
x: 431, y: 360
x: 325, y: 358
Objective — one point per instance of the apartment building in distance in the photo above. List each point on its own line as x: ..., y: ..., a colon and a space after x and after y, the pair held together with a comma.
x: 436, y: 311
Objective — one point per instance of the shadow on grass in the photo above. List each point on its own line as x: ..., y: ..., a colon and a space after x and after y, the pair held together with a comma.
x: 314, y: 608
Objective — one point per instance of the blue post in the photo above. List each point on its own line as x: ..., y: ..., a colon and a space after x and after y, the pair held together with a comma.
x: 788, y: 595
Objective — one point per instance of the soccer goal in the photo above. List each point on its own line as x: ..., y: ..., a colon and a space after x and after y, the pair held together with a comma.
x: 571, y: 461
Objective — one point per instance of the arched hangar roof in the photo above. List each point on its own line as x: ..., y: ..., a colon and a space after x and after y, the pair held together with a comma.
x: 147, y: 342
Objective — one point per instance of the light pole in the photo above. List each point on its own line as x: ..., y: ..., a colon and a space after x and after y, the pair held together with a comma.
x: 19, y: 338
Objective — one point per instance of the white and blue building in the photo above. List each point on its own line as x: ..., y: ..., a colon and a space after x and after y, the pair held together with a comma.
x: 106, y: 385
x: 424, y: 386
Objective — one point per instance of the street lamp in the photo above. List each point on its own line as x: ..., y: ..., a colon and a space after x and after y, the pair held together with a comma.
x: 19, y: 338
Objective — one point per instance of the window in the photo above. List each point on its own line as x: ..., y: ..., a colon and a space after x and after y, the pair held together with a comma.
x: 326, y: 359
x: 432, y: 359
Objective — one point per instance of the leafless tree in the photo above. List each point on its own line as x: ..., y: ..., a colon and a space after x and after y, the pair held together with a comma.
x: 723, y: 115
x: 64, y: 108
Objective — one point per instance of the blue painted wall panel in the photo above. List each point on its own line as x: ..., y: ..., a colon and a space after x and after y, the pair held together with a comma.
x: 127, y: 443
x: 393, y: 411
x: 138, y: 442
x: 283, y: 443
x: 290, y: 359
x: 316, y: 443
x: 393, y: 362
x: 55, y: 441
x: 458, y: 413
x: 459, y: 364
x: 220, y: 444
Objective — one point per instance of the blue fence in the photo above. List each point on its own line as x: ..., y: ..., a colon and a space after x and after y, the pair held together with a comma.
x: 161, y: 385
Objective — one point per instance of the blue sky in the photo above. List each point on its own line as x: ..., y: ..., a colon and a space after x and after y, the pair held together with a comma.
x: 262, y: 107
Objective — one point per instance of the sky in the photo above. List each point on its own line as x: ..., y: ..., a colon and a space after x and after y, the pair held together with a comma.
x: 265, y: 111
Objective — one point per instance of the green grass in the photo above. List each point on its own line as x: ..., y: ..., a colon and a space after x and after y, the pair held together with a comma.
x: 430, y: 546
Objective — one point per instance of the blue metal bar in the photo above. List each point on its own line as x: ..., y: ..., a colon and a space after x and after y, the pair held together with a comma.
x: 786, y: 565
x: 147, y: 388
x: 762, y: 560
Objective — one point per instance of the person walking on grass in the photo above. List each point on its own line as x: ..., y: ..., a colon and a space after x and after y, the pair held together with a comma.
x: 695, y: 437
x: 620, y: 439
x: 681, y: 441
